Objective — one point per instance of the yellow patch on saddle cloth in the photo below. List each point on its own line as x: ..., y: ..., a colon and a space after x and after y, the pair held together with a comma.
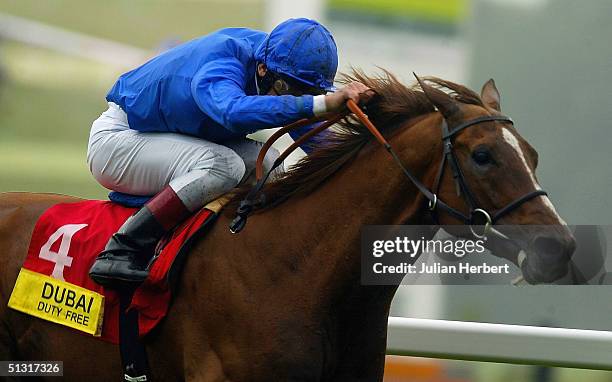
x: 58, y: 301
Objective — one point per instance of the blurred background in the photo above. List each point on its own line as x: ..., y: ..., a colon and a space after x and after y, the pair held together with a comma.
x: 551, y: 60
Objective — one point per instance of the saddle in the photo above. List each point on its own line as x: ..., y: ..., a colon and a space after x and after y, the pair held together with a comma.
x: 66, y: 240
x: 127, y: 200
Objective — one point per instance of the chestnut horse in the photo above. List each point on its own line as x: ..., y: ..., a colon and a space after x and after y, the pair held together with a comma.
x: 282, y: 300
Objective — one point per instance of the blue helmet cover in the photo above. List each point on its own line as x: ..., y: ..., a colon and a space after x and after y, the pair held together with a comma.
x: 302, y: 49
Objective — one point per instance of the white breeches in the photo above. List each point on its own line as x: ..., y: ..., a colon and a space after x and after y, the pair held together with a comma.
x: 138, y: 163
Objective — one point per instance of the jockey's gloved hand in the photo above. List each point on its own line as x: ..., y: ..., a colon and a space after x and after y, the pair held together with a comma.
x: 356, y: 91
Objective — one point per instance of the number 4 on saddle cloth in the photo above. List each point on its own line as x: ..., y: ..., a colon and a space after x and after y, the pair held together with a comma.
x: 54, y: 284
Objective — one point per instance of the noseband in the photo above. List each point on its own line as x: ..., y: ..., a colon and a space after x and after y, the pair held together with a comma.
x: 434, y: 205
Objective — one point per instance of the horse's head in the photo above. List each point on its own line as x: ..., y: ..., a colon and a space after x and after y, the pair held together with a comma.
x: 497, y: 168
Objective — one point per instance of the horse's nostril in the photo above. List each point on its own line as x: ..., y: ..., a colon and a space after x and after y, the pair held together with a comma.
x: 550, y: 246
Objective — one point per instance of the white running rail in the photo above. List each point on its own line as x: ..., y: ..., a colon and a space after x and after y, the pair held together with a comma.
x: 577, y: 348
x: 52, y: 37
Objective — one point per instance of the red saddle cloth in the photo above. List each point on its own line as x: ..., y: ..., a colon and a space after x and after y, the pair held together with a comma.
x: 68, y: 237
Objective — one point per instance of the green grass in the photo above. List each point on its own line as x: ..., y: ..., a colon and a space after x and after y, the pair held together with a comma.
x: 440, y: 11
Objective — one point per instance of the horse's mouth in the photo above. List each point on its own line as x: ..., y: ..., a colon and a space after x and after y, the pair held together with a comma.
x: 547, y: 258
x: 543, y: 253
x: 534, y: 272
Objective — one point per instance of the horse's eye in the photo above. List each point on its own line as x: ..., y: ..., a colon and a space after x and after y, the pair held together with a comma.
x: 482, y: 157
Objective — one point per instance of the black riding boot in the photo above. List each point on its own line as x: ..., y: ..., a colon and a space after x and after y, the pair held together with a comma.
x: 124, y: 262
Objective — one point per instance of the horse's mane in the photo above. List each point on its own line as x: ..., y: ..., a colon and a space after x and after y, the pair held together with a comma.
x: 393, y: 104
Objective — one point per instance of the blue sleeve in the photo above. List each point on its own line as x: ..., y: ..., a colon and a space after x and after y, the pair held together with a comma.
x: 312, y: 142
x: 218, y: 89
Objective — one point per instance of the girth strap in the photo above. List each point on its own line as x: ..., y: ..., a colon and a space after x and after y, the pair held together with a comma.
x: 134, y: 360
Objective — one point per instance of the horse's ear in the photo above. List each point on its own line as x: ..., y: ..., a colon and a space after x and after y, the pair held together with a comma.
x: 445, y: 103
x: 490, y: 95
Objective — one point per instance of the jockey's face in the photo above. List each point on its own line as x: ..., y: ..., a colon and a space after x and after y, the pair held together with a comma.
x: 297, y: 88
x: 284, y: 85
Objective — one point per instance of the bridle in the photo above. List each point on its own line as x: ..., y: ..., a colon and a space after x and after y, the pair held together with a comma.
x: 461, y: 185
x: 435, y: 204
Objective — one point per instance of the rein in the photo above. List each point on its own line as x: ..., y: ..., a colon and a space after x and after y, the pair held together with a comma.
x: 248, y: 203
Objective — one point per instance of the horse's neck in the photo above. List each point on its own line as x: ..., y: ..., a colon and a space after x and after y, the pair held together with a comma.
x: 318, y: 235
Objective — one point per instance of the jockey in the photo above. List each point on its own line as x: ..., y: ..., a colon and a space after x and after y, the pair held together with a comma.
x: 176, y: 126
